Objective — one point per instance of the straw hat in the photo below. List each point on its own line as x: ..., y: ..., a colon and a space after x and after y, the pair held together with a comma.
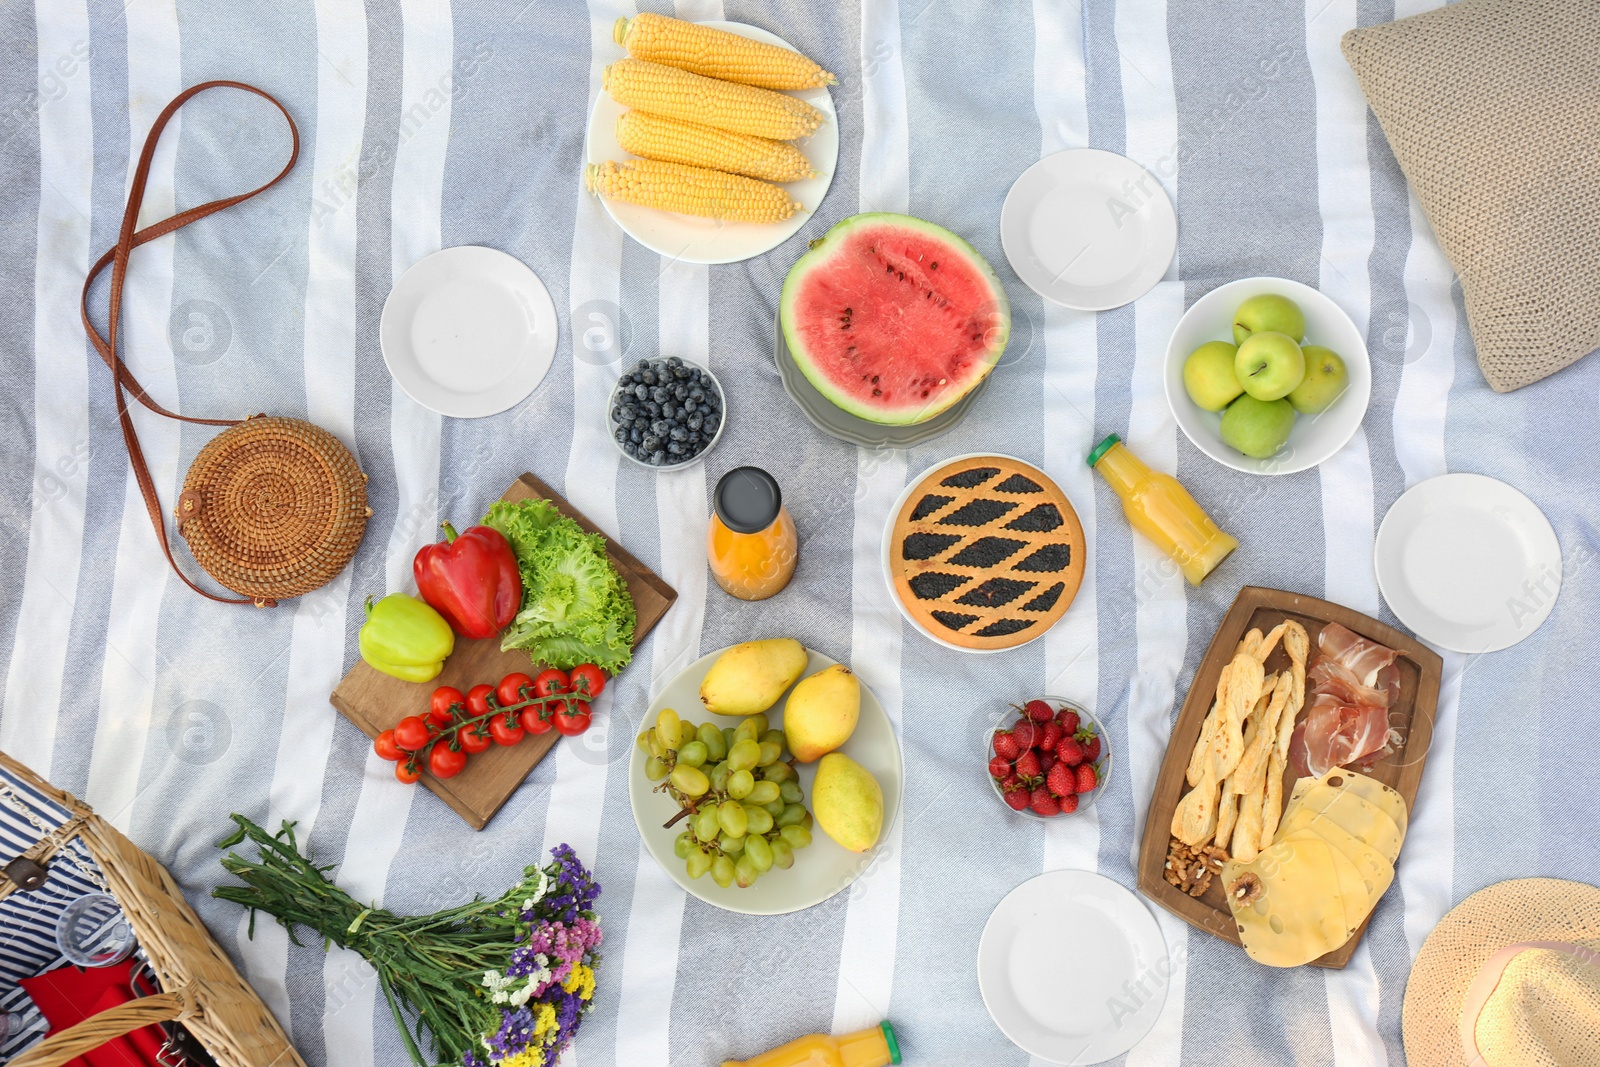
x: 1509, y: 978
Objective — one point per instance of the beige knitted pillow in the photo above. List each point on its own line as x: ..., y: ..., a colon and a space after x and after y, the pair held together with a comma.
x: 1492, y: 108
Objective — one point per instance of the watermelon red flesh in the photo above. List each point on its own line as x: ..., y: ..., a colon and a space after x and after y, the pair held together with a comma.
x: 894, y: 319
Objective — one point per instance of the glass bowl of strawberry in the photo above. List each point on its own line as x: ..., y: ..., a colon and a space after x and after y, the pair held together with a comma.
x: 1047, y: 758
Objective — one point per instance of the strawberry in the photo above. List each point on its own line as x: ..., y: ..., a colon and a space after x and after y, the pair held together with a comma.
x: 1047, y: 759
x: 1050, y: 737
x: 1091, y: 745
x: 1069, y: 751
x: 1011, y: 783
x: 1087, y: 778
x: 1068, y: 720
x: 1017, y: 799
x: 1005, y: 745
x: 1043, y: 803
x: 1028, y: 764
x: 1061, y: 781
x: 1069, y: 804
x: 999, y: 767
x: 1038, y: 711
x: 1025, y: 733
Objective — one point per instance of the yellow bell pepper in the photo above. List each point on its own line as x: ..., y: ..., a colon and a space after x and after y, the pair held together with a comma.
x: 405, y: 638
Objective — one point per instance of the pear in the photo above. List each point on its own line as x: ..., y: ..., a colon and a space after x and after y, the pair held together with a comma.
x: 847, y: 802
x: 749, y: 678
x: 822, y: 712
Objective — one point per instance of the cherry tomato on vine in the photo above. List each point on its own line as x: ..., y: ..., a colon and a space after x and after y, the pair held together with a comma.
x: 551, y: 682
x: 441, y: 705
x: 446, y: 762
x: 588, y: 680
x: 573, y: 718
x: 536, y: 720
x: 471, y: 741
x: 385, y: 747
x: 411, y: 733
x: 478, y: 700
x: 509, y: 691
x: 408, y: 771
x: 504, y: 733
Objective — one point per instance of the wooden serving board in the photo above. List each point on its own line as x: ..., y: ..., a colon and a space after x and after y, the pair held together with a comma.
x: 1412, y: 715
x: 375, y: 701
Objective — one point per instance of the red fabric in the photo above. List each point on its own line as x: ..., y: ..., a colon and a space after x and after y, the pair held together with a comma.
x: 67, y: 996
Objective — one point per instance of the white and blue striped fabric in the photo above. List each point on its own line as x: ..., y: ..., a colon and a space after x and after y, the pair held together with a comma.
x: 427, y: 124
x: 28, y: 920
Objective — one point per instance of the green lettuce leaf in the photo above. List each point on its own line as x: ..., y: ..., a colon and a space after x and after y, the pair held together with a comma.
x: 575, y: 606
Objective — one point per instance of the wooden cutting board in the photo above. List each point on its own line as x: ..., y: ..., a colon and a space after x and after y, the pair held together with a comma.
x: 1262, y: 609
x: 375, y: 701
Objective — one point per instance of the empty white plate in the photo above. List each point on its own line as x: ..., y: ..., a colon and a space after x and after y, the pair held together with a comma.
x: 1468, y: 562
x: 691, y: 239
x: 468, y: 331
x: 1088, y: 229
x: 1073, y: 967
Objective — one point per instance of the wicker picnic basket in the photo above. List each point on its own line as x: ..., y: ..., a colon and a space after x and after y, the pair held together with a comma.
x: 200, y: 986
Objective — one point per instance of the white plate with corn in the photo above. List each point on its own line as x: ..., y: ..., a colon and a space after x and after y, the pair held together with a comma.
x: 712, y: 142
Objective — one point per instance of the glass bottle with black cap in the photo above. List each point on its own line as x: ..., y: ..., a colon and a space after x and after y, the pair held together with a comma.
x: 751, y: 543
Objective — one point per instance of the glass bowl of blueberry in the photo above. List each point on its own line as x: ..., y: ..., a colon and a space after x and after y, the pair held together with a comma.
x: 666, y: 412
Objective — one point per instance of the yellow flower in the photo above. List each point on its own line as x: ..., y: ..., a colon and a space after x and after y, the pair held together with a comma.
x: 580, y: 981
x: 532, y: 1056
x: 544, y: 1022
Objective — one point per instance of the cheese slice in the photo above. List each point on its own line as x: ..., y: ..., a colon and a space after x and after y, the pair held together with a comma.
x: 1377, y: 873
x: 1371, y: 790
x: 1352, y: 886
x: 1299, y: 914
x: 1347, y: 810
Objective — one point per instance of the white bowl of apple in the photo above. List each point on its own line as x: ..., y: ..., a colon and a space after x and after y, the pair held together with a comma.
x: 1267, y: 376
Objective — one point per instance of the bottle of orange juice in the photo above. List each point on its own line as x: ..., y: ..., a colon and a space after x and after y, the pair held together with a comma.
x: 873, y: 1047
x: 751, y: 542
x: 1163, y: 510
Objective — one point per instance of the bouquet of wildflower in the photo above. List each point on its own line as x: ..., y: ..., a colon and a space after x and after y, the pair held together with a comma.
x: 494, y: 983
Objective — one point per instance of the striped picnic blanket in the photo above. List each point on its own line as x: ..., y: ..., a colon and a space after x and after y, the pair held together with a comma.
x: 426, y: 124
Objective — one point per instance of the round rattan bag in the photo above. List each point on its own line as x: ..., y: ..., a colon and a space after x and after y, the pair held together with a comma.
x: 273, y: 507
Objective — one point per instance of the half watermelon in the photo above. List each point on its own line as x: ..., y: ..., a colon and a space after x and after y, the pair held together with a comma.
x: 892, y: 318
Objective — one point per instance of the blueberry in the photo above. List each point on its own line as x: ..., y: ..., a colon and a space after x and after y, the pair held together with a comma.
x: 695, y: 437
x: 674, y: 361
x: 710, y: 425
x: 621, y: 434
x: 696, y: 395
x: 653, y: 410
x: 679, y: 434
x: 630, y: 412
x: 695, y: 421
x: 648, y: 377
x: 641, y: 392
x: 636, y: 435
x: 674, y: 449
x: 670, y: 410
x: 657, y: 458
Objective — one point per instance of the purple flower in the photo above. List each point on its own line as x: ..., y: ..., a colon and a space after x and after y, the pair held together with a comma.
x: 515, y: 1033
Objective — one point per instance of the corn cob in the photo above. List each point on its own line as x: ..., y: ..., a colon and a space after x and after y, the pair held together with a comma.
x: 672, y: 141
x: 678, y: 94
x: 716, y: 53
x: 690, y: 190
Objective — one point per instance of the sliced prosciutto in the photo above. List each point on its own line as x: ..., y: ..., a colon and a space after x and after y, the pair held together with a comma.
x: 1337, y: 734
x: 1361, y: 657
x: 1353, y: 684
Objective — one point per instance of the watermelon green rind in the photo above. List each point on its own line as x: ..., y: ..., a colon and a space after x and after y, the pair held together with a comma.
x: 970, y: 367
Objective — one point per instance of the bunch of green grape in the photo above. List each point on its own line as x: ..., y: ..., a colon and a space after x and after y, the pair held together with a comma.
x: 746, y: 810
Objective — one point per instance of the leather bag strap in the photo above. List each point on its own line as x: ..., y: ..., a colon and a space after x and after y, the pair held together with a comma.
x: 117, y: 258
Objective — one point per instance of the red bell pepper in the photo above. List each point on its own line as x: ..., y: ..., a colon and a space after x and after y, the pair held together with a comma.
x: 471, y: 579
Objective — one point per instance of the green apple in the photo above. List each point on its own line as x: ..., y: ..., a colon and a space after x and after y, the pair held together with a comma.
x: 1325, y: 381
x: 1269, y: 365
x: 1209, y: 377
x: 1258, y: 428
x: 1271, y: 312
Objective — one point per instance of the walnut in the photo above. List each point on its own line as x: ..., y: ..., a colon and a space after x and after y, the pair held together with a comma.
x: 1190, y: 868
x: 1245, y: 890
